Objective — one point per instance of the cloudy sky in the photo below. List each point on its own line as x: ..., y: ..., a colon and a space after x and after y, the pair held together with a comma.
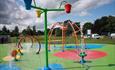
x: 13, y: 13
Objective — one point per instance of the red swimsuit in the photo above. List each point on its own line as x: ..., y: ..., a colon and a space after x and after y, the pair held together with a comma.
x: 14, y: 53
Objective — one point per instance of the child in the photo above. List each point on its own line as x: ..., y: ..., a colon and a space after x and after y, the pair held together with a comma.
x: 15, y: 52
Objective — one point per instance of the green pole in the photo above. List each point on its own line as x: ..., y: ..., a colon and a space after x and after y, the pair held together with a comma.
x: 46, y: 37
x: 46, y: 34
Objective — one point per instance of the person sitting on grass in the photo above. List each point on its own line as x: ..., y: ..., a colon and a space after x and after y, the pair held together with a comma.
x: 15, y: 52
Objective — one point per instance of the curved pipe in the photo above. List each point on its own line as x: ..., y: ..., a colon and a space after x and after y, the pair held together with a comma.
x: 82, y: 38
x: 50, y: 34
x: 23, y: 39
x: 74, y: 34
x: 32, y: 40
x: 38, y: 51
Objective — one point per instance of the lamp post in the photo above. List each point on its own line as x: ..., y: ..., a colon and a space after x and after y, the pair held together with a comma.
x: 45, y: 10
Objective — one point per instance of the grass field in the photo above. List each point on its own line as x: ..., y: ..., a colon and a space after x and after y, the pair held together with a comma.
x: 31, y: 61
x: 104, y: 40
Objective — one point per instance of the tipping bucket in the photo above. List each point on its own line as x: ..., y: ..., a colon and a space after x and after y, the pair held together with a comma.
x: 68, y: 8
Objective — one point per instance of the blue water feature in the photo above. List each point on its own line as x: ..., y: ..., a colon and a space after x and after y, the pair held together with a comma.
x: 54, y: 67
x: 93, y: 46
x: 7, y: 67
x: 88, y: 46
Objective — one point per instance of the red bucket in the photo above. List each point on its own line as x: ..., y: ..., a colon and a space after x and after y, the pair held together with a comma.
x: 68, y: 8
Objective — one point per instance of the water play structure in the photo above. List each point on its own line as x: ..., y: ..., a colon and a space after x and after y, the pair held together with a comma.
x: 45, y: 10
x: 64, y: 28
x: 80, y: 51
x: 79, y: 43
x: 82, y: 54
x: 33, y: 40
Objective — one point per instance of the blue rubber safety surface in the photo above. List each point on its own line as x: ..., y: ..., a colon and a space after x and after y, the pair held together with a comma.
x: 88, y: 46
x: 54, y: 67
x: 8, y: 67
x: 93, y: 46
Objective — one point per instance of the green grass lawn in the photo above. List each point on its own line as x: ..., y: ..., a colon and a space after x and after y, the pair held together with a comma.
x: 31, y: 61
x: 104, y: 40
x: 3, y: 51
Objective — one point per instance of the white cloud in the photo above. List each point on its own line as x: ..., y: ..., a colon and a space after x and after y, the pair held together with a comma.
x: 83, y: 13
x: 82, y: 6
x: 21, y: 17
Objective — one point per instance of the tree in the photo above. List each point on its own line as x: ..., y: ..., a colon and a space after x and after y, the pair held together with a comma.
x: 0, y: 32
x: 104, y: 25
x: 40, y: 32
x: 24, y: 31
x: 99, y: 24
x: 34, y: 30
x: 5, y: 31
x: 58, y: 32
x: 15, y: 32
x: 69, y: 28
x: 86, y: 26
x: 66, y: 22
x: 27, y: 31
x: 111, y: 21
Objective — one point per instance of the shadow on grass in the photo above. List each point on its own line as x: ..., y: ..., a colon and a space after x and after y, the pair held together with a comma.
x: 79, y: 61
x: 87, y: 67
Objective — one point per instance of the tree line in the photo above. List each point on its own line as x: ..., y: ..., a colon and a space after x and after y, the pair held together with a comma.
x: 32, y: 30
x: 16, y: 32
x: 103, y: 26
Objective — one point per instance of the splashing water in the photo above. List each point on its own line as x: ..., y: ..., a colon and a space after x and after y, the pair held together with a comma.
x: 27, y: 47
x: 10, y: 64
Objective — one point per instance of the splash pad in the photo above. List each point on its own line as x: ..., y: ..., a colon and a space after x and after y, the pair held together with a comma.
x: 73, y: 54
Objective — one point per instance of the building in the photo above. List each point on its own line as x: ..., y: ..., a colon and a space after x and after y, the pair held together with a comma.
x: 4, y: 39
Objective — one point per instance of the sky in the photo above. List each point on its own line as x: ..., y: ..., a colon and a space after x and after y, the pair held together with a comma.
x: 13, y: 12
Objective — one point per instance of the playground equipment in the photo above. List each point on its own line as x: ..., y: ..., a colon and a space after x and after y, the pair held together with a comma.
x: 75, y: 30
x: 31, y: 39
x: 82, y: 53
x: 67, y: 10
x: 45, y: 10
x: 25, y: 39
